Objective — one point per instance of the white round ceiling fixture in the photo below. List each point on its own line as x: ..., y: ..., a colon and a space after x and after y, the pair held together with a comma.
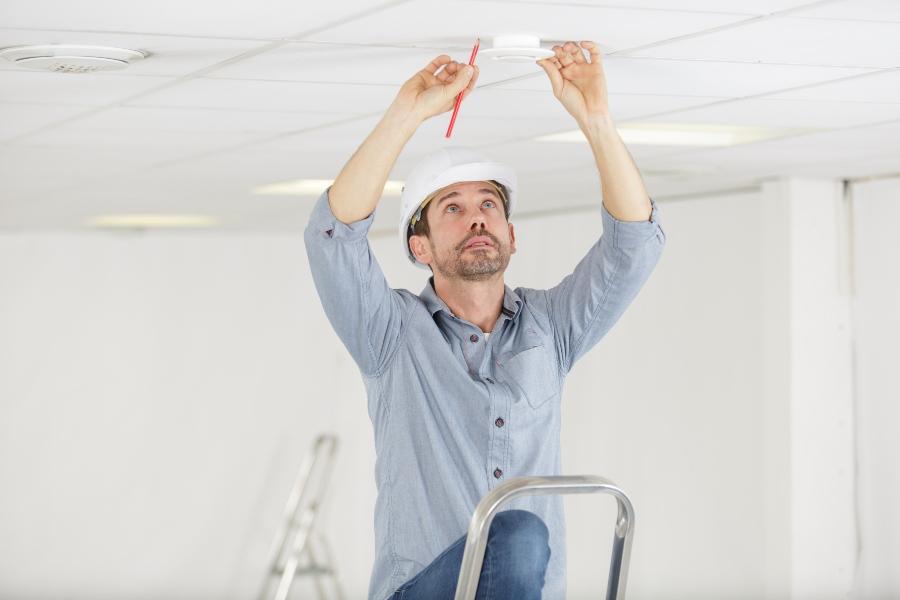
x: 68, y: 58
x: 517, y: 48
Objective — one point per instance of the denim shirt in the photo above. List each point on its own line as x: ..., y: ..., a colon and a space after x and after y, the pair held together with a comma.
x: 456, y: 413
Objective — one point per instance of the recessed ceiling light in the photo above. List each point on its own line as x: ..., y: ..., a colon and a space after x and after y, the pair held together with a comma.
x: 517, y: 48
x: 148, y: 221
x: 314, y: 187
x: 682, y: 134
x: 68, y: 58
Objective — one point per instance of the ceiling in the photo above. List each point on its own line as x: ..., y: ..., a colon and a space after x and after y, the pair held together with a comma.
x: 238, y: 95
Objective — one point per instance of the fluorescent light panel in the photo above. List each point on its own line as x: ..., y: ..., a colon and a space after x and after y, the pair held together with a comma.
x: 142, y: 221
x: 314, y: 187
x: 683, y: 134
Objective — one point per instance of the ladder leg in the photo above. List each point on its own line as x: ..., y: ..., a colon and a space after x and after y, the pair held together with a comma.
x: 329, y: 558
x: 315, y: 564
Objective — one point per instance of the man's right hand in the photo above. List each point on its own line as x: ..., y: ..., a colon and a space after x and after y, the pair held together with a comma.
x: 433, y: 90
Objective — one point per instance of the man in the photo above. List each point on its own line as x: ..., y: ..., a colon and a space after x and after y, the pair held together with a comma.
x: 464, y: 379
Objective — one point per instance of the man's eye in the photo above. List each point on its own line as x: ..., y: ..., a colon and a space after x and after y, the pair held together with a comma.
x: 490, y: 202
x: 452, y: 206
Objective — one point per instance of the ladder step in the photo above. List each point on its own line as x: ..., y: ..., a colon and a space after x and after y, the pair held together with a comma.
x: 313, y: 570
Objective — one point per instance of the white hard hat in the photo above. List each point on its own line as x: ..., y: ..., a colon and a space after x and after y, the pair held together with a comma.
x: 446, y: 167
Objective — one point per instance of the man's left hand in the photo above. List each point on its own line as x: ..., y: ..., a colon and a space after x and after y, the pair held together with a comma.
x: 578, y: 83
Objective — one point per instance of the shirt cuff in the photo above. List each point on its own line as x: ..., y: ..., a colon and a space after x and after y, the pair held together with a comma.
x: 630, y: 234
x: 323, y: 220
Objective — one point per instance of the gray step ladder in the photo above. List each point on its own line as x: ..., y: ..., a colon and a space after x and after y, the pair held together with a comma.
x: 480, y: 525
x: 299, y: 549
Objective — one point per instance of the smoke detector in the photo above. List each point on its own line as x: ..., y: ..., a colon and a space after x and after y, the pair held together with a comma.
x: 517, y: 48
x: 65, y: 58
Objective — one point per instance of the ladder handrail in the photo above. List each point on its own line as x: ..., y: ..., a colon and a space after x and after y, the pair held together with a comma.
x: 479, y: 526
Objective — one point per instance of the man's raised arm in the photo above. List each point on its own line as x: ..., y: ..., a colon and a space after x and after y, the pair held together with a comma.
x: 362, y: 308
x: 358, y: 187
x: 587, y: 302
x: 581, y: 87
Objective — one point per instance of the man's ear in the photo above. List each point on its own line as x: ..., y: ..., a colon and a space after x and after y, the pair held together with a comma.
x: 512, y: 239
x: 418, y: 245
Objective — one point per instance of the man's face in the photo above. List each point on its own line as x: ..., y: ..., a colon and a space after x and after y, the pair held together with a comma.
x: 470, y: 237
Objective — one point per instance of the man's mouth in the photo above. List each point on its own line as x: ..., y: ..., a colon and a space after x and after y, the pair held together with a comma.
x: 479, y: 241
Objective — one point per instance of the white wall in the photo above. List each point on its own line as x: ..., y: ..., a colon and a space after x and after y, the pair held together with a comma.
x: 158, y: 392
x: 877, y: 331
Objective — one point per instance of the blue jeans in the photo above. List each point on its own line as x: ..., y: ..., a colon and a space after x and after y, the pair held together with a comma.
x: 515, y: 561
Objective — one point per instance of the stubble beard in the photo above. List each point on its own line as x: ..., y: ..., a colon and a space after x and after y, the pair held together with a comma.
x: 473, y: 265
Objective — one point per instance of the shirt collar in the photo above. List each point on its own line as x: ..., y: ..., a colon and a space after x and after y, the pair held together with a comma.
x: 511, y: 300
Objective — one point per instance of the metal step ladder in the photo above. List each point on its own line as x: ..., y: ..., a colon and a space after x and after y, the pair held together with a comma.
x: 299, y: 548
x: 480, y: 525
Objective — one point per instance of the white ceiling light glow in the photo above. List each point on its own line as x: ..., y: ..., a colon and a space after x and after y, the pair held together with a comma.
x: 151, y: 221
x: 314, y: 187
x: 66, y: 58
x: 683, y: 134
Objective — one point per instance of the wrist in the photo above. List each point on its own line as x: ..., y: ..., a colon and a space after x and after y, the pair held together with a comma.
x: 402, y: 119
x: 597, y: 121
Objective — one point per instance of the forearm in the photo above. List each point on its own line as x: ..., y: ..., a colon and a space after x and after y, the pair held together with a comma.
x: 624, y: 194
x: 360, y: 184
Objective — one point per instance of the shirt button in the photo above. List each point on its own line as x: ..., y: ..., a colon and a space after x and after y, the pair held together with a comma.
x: 473, y: 338
x: 499, y: 422
x: 498, y: 473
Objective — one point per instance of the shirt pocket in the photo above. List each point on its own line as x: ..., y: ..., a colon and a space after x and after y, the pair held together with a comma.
x: 531, y: 373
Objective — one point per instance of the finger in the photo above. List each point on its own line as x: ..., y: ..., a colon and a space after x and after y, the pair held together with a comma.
x: 437, y: 63
x: 552, y: 71
x: 562, y: 56
x: 574, y: 52
x: 461, y: 80
x: 594, y: 50
x: 474, y: 79
x: 471, y: 85
x: 448, y: 72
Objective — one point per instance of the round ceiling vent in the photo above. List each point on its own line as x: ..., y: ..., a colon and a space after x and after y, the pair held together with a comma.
x: 517, y: 48
x: 64, y: 58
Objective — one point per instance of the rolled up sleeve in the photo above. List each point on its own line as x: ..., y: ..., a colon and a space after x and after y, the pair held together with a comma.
x: 360, y: 305
x: 587, y: 303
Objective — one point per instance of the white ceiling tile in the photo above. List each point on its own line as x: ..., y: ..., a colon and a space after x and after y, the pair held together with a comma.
x: 766, y: 112
x: 790, y: 40
x: 520, y: 99
x: 139, y: 119
x: 787, y: 155
x: 438, y: 23
x: 867, y: 10
x: 83, y: 89
x: 877, y: 87
x: 637, y: 106
x: 504, y: 103
x: 700, y: 78
x: 344, y: 63
x: 18, y: 119
x: 758, y: 7
x: 274, y: 95
x: 259, y: 19
x: 480, y: 131
x: 151, y: 145
x: 168, y: 56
